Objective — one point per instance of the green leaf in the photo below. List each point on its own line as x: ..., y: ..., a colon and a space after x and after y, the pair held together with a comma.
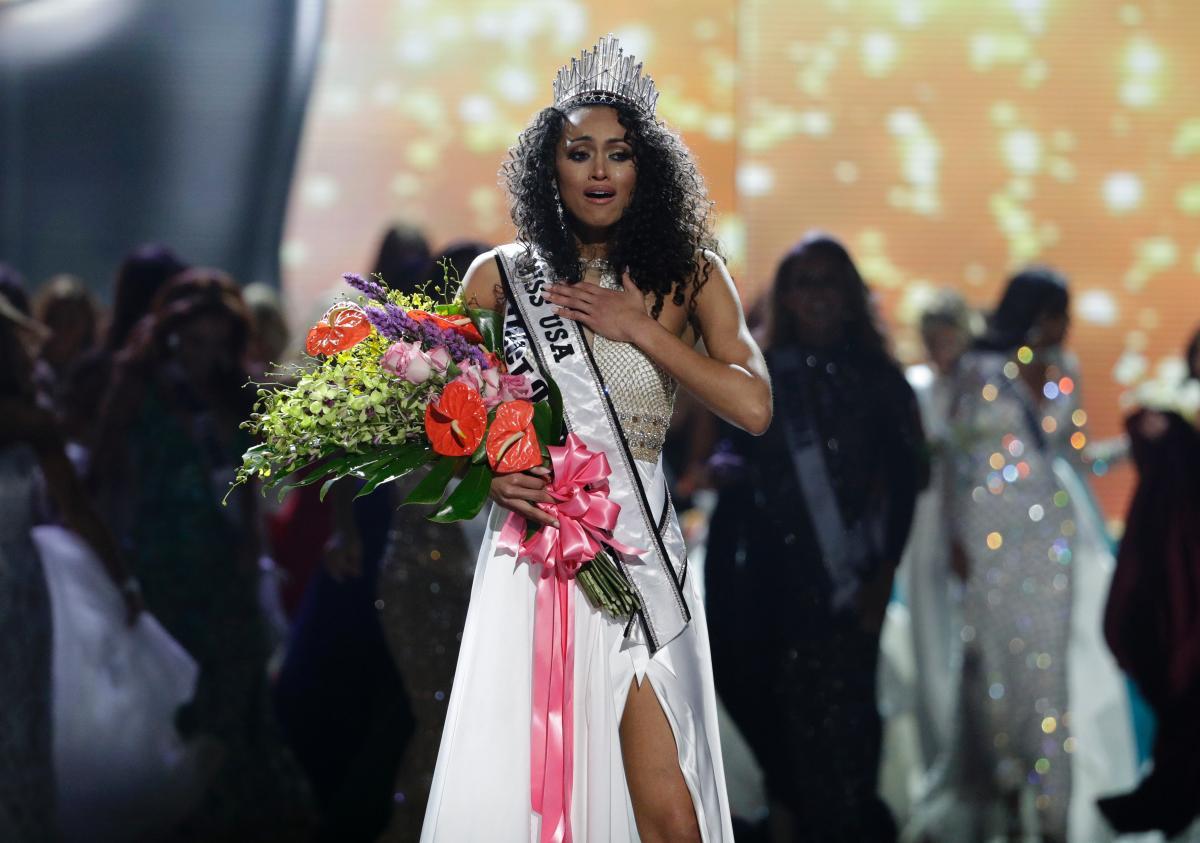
x: 543, y: 418
x: 480, y: 454
x: 405, y: 459
x: 490, y: 328
x: 355, y: 466
x: 468, y: 498
x: 454, y: 308
x: 328, y: 484
x: 317, y: 471
x: 433, y: 486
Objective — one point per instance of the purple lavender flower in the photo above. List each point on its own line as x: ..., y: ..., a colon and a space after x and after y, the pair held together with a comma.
x: 371, y: 289
x: 395, y: 324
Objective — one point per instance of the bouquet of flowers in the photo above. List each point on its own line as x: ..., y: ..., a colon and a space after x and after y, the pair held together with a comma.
x: 394, y: 383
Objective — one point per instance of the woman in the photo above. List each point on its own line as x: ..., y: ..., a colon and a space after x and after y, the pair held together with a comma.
x: 924, y: 576
x: 1152, y: 620
x: 68, y: 309
x: 804, y: 546
x: 31, y: 454
x: 142, y: 273
x: 168, y: 443
x: 612, y: 283
x: 1043, y: 722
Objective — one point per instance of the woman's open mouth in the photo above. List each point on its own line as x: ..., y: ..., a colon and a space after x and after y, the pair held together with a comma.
x: 600, y: 195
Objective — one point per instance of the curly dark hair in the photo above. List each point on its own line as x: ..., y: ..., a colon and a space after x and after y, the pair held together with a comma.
x: 657, y: 238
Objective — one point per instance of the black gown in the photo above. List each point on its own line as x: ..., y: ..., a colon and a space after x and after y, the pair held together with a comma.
x: 797, y: 673
x: 1152, y: 624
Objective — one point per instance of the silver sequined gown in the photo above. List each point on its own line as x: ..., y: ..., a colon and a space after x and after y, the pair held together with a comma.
x: 26, y: 776
x: 1026, y: 528
x: 481, y: 788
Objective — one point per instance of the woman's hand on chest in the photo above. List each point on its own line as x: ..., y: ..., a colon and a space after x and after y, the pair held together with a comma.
x: 618, y: 315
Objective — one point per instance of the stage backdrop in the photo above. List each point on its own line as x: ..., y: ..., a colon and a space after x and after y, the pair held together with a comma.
x: 947, y: 143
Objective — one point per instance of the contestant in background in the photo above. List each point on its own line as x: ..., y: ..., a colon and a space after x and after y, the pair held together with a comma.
x: 804, y: 547
x: 925, y: 582
x: 1043, y: 724
x: 1152, y: 621
x: 32, y: 459
x: 168, y: 443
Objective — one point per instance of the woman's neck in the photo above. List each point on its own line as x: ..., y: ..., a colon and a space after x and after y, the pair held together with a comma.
x: 593, y: 243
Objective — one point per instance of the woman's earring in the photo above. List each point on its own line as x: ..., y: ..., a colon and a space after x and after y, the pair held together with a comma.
x: 558, y: 207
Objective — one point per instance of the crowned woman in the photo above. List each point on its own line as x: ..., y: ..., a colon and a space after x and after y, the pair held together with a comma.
x: 613, y: 282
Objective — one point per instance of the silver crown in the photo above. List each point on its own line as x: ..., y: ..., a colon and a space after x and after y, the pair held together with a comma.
x: 604, y: 76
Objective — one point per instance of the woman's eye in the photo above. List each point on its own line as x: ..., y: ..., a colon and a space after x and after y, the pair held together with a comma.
x: 577, y: 156
x: 620, y: 156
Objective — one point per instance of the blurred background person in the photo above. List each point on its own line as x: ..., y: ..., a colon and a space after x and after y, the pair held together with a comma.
x: 32, y: 460
x: 803, y: 547
x: 1042, y: 721
x: 269, y: 345
x: 403, y: 258
x: 1152, y: 620
x: 141, y: 274
x: 69, y: 311
x: 168, y: 444
x: 12, y: 287
x: 924, y: 580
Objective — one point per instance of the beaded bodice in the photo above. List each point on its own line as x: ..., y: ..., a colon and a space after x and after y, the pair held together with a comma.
x: 642, y: 394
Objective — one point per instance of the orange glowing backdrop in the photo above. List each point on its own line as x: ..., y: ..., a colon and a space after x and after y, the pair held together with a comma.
x: 946, y: 141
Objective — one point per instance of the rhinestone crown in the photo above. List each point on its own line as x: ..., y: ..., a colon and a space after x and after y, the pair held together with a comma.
x: 604, y: 76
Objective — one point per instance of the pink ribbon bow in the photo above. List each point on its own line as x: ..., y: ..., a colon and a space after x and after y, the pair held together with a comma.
x: 586, y: 519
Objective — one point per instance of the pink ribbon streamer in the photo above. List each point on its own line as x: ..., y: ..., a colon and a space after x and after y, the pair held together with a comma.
x: 586, y: 519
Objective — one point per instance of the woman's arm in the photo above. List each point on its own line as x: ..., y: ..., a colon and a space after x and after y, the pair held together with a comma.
x: 731, y: 379
x: 481, y: 285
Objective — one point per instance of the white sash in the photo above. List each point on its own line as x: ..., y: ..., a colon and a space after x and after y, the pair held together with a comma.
x: 847, y: 551
x: 538, y: 342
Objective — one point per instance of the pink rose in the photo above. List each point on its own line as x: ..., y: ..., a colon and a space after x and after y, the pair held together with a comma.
x: 440, y: 359
x: 409, y: 361
x: 514, y: 388
x: 486, y: 381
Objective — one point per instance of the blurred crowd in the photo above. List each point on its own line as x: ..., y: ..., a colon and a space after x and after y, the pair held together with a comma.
x: 916, y: 543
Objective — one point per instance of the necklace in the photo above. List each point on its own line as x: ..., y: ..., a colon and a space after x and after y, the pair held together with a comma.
x: 601, y: 265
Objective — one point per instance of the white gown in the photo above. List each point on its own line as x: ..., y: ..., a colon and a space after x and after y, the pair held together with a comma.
x: 481, y: 786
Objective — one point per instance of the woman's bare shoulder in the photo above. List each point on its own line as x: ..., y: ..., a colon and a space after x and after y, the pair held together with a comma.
x: 717, y: 287
x: 482, y: 286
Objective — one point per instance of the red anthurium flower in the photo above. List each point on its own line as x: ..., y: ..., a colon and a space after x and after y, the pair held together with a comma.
x: 343, y: 326
x: 459, y: 323
x: 456, y: 422
x: 495, y: 361
x: 512, y: 443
